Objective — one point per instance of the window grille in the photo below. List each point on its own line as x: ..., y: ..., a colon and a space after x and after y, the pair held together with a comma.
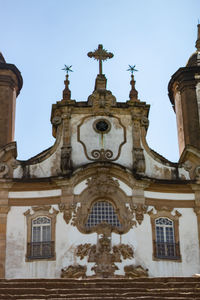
x: 102, y: 211
x: 165, y: 240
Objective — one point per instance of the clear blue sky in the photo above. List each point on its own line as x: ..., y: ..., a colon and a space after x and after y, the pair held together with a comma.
x: 40, y: 36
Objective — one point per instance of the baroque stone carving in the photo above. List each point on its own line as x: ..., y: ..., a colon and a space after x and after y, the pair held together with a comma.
x: 138, y: 160
x: 8, y: 161
x: 139, y: 210
x: 74, y: 271
x: 4, y: 169
x: 132, y: 271
x: 104, y: 256
x: 67, y: 211
x: 66, y: 162
x: 123, y: 250
x: 83, y: 250
x: 56, y: 120
x: 102, y: 184
x: 103, y: 187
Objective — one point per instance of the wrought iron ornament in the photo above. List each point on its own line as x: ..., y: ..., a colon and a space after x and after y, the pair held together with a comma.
x: 132, y: 69
x: 67, y: 69
x: 100, y: 54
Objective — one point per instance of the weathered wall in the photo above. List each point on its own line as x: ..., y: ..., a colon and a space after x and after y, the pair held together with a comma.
x: 68, y: 237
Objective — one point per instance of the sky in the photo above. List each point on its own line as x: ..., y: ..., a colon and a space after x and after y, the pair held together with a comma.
x: 40, y: 36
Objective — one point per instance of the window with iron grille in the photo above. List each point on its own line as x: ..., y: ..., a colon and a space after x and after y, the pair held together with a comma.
x: 41, y: 245
x: 165, y: 240
x: 103, y: 212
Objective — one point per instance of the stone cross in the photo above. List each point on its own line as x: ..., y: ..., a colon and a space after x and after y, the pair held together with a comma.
x: 100, y: 54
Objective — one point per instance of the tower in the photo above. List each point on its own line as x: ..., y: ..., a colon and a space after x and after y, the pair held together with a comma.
x: 10, y: 86
x: 184, y: 94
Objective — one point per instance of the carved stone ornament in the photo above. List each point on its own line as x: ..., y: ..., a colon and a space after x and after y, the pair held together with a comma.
x: 145, y: 122
x: 56, y: 120
x: 102, y: 187
x: 139, y: 210
x: 4, y: 169
x: 74, y: 271
x: 101, y: 98
x: 102, y: 184
x: 66, y: 161
x: 67, y: 211
x: 138, y: 160
x: 124, y: 215
x: 132, y: 271
x: 8, y: 161
x: 104, y: 256
x: 197, y: 173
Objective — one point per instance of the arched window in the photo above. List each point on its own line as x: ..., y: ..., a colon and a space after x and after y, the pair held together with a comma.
x: 102, y: 212
x: 165, y: 240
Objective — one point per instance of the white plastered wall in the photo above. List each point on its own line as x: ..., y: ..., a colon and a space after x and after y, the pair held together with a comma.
x: 46, y: 168
x: 67, y: 238
x: 92, y: 139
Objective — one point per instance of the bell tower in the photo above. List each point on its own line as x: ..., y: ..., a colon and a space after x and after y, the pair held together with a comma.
x: 184, y: 94
x: 10, y: 86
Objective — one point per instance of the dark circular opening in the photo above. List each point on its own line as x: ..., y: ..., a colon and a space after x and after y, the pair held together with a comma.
x: 102, y: 126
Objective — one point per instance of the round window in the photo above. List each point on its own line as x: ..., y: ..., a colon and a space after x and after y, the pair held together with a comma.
x: 102, y: 126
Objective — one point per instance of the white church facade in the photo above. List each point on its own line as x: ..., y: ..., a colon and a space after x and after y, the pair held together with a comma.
x: 99, y: 202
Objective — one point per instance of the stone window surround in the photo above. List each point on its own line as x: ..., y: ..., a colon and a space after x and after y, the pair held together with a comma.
x: 40, y: 211
x: 165, y: 212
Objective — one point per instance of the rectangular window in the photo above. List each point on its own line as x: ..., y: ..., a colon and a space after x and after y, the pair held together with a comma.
x: 41, y: 245
x: 165, y: 245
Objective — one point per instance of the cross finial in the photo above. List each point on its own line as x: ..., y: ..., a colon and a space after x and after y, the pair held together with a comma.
x: 100, y: 54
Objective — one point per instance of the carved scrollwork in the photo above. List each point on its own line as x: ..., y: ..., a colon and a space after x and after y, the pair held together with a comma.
x: 145, y: 122
x: 67, y: 211
x: 56, y: 120
x: 102, y: 187
x: 4, y: 169
x: 132, y: 271
x: 66, y: 161
x: 104, y: 255
x: 102, y: 154
x: 138, y: 160
x: 139, y: 210
x: 197, y: 172
x: 123, y: 250
x: 74, y: 271
x: 83, y: 250
x: 102, y: 184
